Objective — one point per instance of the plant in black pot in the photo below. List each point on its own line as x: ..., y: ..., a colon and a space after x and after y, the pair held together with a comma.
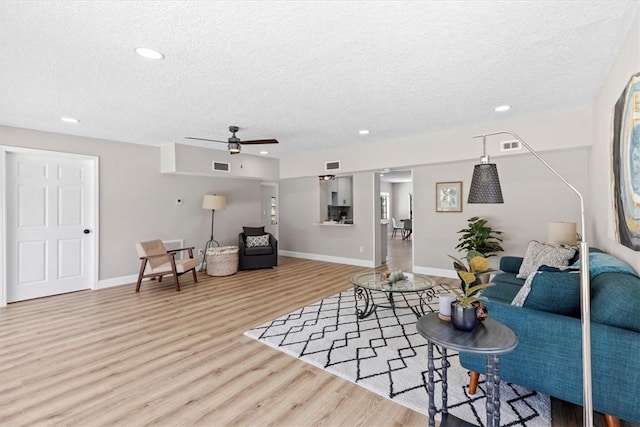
x: 467, y: 309
x: 479, y: 237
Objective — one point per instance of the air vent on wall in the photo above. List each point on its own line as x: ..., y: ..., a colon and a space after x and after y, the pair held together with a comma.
x: 332, y: 166
x: 510, y: 145
x: 221, y: 167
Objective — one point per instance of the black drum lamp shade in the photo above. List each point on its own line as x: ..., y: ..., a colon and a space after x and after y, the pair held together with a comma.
x: 485, y: 184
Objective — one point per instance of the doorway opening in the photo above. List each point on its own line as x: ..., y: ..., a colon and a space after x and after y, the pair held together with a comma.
x: 396, y: 188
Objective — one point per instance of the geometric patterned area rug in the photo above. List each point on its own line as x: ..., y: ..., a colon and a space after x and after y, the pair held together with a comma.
x: 385, y: 354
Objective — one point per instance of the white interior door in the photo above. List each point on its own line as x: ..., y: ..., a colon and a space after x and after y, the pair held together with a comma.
x: 51, y: 224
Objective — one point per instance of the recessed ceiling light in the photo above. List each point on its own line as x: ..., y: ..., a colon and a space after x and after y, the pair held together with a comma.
x: 70, y: 120
x: 363, y: 132
x: 149, y: 53
x: 502, y: 108
x: 264, y: 152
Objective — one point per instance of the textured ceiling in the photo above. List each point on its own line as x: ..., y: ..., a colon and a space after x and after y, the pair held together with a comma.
x: 309, y: 73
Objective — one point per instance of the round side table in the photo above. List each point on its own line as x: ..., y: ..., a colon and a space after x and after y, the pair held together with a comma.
x: 490, y: 338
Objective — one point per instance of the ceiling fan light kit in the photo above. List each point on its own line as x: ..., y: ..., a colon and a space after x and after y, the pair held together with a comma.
x: 234, y: 147
x: 234, y: 143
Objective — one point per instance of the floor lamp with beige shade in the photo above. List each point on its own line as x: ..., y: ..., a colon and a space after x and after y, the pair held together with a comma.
x: 562, y: 233
x: 212, y: 202
x: 485, y: 188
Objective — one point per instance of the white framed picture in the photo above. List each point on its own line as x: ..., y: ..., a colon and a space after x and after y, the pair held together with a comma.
x: 449, y: 196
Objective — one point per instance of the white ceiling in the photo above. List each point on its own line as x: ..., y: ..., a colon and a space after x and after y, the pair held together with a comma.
x: 309, y: 73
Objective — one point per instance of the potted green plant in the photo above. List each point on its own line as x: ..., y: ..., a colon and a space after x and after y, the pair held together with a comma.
x: 479, y: 237
x: 467, y: 308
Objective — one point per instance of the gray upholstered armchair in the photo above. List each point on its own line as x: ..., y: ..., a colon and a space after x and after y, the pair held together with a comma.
x: 257, y: 249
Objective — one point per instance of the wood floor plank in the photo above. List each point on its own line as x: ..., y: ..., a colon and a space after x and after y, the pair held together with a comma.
x: 114, y: 357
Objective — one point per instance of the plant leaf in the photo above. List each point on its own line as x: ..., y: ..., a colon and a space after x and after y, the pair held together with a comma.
x: 458, y: 265
x: 477, y: 288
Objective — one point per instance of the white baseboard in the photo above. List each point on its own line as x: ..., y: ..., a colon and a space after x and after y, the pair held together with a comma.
x: 117, y: 281
x: 327, y: 258
x: 440, y: 272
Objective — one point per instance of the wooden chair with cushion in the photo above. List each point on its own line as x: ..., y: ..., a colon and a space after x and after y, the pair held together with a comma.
x: 158, y: 262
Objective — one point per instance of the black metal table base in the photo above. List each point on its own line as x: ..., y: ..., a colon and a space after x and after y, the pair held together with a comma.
x: 489, y: 338
x: 366, y: 295
x: 493, y: 389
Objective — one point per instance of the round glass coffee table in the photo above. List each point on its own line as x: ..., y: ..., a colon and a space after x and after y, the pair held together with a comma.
x: 366, y: 283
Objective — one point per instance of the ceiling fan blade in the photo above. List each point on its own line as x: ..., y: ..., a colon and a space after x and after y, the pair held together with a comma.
x: 260, y: 141
x: 202, y: 139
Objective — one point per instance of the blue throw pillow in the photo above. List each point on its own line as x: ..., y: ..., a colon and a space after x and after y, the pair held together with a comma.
x: 600, y: 262
x: 555, y: 292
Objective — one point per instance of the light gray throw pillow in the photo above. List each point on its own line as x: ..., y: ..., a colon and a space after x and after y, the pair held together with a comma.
x: 255, y: 241
x: 543, y: 254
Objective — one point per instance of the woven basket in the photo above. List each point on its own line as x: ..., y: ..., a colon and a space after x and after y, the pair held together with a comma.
x: 222, y: 261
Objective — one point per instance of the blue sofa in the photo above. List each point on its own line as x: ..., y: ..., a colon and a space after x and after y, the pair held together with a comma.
x: 548, y: 358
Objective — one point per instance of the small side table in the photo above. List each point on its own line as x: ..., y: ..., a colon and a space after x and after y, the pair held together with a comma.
x: 490, y: 338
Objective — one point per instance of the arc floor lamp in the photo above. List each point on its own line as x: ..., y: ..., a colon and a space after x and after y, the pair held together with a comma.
x: 212, y: 202
x: 485, y: 188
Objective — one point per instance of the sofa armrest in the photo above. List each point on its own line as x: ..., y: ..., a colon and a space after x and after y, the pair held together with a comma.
x: 511, y: 264
x: 548, y: 359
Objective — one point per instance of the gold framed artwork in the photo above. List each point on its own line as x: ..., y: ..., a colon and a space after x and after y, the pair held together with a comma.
x: 449, y: 196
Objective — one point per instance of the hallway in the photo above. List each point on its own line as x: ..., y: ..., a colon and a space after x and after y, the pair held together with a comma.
x: 399, y: 254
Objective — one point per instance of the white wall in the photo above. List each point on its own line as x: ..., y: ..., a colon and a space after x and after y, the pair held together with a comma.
x: 190, y: 160
x: 553, y: 130
x: 137, y: 202
x: 301, y: 234
x: 534, y: 195
x: 400, y: 200
x: 600, y: 206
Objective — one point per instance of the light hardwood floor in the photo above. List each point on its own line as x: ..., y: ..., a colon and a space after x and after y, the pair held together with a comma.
x: 160, y: 357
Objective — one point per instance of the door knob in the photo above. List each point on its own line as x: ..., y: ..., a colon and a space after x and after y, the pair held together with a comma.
x: 86, y: 231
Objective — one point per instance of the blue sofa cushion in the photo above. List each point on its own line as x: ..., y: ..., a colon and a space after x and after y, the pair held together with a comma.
x: 508, y: 278
x: 615, y: 300
x: 510, y: 264
x: 505, y: 289
x: 600, y: 262
x: 555, y: 292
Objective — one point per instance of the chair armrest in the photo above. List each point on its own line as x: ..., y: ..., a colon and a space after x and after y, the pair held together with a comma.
x: 181, y: 249
x: 273, y: 242
x: 158, y: 256
x: 241, y: 242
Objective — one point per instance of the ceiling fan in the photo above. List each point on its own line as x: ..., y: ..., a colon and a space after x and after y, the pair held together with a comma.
x: 234, y: 143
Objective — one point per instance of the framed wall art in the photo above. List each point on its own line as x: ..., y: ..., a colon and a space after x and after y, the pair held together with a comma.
x: 626, y: 164
x: 449, y: 196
